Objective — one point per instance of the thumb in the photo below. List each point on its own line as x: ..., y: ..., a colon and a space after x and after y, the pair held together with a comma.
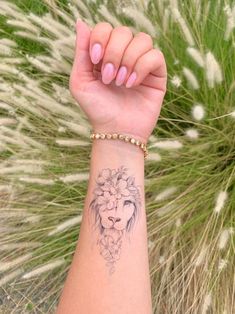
x: 82, y: 66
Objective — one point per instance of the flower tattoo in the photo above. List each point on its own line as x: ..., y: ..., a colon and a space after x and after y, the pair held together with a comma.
x: 115, y: 208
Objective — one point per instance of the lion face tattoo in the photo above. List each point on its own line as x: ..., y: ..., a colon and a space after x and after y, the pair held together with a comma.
x: 118, y: 216
x: 115, y: 207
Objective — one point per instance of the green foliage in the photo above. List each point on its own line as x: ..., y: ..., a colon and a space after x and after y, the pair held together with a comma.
x: 190, y: 173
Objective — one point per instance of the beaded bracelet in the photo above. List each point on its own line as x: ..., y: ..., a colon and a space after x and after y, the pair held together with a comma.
x: 122, y: 137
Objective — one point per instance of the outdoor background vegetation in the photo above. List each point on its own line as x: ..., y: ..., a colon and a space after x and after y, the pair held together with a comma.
x: 45, y: 150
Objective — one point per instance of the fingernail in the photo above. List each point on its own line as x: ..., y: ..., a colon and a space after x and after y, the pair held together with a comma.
x: 131, y: 80
x: 108, y: 73
x: 96, y: 53
x: 121, y: 75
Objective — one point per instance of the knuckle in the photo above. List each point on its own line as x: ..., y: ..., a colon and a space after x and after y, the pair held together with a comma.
x: 123, y: 29
x: 104, y: 25
x: 160, y: 53
x: 112, y: 53
x: 146, y: 37
x: 128, y: 60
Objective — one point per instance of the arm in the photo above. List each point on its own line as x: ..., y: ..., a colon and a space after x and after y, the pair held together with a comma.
x: 109, y: 272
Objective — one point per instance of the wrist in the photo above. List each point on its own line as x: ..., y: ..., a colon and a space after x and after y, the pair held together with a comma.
x: 121, y: 149
x: 126, y: 138
x: 127, y: 131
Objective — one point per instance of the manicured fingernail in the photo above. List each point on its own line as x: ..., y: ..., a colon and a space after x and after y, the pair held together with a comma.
x: 96, y: 53
x: 108, y: 73
x: 131, y: 80
x: 121, y: 75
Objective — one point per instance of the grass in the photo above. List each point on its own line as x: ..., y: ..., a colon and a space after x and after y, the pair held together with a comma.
x: 191, y: 229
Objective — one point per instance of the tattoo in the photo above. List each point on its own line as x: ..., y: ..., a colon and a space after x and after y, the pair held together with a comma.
x: 115, y: 208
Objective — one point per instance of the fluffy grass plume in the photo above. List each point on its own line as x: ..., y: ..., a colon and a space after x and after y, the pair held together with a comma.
x: 45, y: 148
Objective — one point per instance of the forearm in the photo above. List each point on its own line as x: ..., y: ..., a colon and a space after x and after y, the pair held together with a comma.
x: 109, y: 273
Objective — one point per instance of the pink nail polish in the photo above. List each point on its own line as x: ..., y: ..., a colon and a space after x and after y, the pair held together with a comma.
x: 108, y: 73
x: 96, y: 53
x: 131, y: 79
x: 121, y: 75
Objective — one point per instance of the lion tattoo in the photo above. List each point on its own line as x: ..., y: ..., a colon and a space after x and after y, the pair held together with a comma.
x: 115, y: 208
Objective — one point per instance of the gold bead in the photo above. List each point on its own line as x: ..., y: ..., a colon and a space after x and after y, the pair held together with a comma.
x: 114, y: 136
x: 109, y: 136
x: 97, y: 136
x: 126, y: 138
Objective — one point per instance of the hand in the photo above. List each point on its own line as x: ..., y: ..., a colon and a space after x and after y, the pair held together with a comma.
x: 134, y: 109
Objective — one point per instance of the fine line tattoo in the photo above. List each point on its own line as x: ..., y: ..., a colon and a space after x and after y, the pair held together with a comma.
x: 115, y: 208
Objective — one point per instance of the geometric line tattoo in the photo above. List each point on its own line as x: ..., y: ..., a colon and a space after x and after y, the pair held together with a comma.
x: 115, y: 207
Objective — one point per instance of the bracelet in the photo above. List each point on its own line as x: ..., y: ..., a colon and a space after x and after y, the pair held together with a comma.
x: 122, y: 137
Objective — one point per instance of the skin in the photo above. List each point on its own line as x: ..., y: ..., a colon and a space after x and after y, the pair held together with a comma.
x: 89, y: 287
x: 117, y: 217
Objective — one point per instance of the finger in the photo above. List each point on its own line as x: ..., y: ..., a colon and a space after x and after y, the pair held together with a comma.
x: 120, y: 38
x: 152, y: 62
x: 155, y: 82
x: 99, y: 38
x: 82, y: 59
x: 82, y: 63
x: 139, y: 45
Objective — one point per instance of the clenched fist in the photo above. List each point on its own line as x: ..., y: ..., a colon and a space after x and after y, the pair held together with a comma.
x: 118, y: 79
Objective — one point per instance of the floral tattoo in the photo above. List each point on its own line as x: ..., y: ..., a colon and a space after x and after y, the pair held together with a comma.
x: 115, y: 208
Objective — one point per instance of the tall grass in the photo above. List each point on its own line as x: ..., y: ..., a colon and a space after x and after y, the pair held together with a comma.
x: 45, y: 149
